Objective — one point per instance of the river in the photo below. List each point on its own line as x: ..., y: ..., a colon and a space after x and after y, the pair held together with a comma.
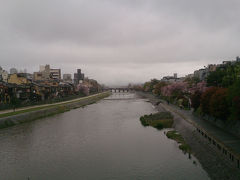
x: 101, y: 141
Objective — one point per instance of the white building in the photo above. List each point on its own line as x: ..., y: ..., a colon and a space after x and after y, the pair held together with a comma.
x: 3, y: 75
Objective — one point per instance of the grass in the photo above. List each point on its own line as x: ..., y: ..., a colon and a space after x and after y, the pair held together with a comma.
x: 180, y: 140
x: 9, y: 122
x: 57, y: 109
x: 46, y: 107
x: 23, y: 111
x: 158, y: 120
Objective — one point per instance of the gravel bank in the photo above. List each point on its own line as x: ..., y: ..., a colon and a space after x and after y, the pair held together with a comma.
x: 216, y: 166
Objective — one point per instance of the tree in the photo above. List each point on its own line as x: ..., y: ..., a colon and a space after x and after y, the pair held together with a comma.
x: 218, y: 104
x: 225, y: 75
x: 205, y: 99
x: 83, y: 89
x: 234, y: 100
x: 15, y: 102
x: 146, y: 86
x: 149, y: 86
x: 192, y: 81
x: 196, y: 100
x: 215, y: 78
x: 174, y: 91
x: 158, y: 87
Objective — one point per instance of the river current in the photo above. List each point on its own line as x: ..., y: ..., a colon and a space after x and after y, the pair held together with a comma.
x: 100, y: 141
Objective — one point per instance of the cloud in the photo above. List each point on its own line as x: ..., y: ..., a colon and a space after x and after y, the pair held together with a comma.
x: 118, y: 41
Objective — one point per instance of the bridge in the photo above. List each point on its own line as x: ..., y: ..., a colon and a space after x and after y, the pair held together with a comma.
x: 119, y: 90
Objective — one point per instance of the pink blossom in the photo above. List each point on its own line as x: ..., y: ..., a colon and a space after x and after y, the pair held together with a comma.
x: 177, y: 86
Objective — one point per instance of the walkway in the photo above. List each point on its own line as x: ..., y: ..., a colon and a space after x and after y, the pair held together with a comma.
x: 225, y: 139
x: 46, y: 105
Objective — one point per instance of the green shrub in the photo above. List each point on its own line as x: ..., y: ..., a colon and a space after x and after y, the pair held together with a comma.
x: 179, y: 139
x: 158, y: 120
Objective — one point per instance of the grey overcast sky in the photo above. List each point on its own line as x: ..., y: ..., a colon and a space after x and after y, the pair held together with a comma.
x: 119, y: 41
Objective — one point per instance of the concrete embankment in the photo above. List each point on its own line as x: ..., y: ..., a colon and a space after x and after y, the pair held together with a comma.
x: 211, y: 159
x: 50, y: 110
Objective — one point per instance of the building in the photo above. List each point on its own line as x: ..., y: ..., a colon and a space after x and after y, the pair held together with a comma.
x: 4, y: 96
x: 42, y: 68
x: 78, y: 77
x: 3, y: 75
x: 46, y: 73
x: 226, y: 62
x: 67, y: 78
x: 237, y: 59
x: 13, y: 71
x: 189, y: 76
x: 170, y: 79
x: 43, y: 74
x: 212, y: 67
x: 38, y: 76
x: 55, y: 74
x: 20, y: 78
x: 201, y: 74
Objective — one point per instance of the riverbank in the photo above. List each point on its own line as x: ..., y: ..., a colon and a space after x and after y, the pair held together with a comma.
x: 215, y: 165
x: 29, y: 114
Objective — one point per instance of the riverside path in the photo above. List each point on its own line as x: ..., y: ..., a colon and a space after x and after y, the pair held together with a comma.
x: 228, y: 145
x: 46, y: 105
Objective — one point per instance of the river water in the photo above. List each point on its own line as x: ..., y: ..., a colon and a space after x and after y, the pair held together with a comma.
x: 101, y: 141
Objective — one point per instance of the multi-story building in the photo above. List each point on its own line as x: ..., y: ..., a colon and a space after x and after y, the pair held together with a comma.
x: 3, y: 75
x: 67, y: 78
x: 55, y: 74
x: 237, y: 59
x: 201, y: 74
x: 38, y: 76
x: 78, y: 77
x: 20, y: 78
x: 43, y: 74
x: 46, y: 73
x: 13, y: 71
x: 42, y: 68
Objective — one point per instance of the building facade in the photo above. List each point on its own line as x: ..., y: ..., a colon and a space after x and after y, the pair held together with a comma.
x: 46, y: 73
x: 55, y: 74
x: 67, y: 78
x: 3, y: 75
x: 13, y: 71
x: 78, y: 77
x: 20, y: 78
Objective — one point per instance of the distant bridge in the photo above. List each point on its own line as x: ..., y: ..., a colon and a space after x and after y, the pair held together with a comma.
x: 119, y: 90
